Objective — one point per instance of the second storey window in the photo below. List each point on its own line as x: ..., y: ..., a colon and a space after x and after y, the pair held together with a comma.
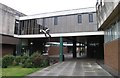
x: 90, y: 17
x: 55, y: 20
x: 17, y: 23
x: 43, y: 22
x: 79, y: 18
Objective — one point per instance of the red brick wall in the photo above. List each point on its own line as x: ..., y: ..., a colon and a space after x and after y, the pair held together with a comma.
x: 54, y: 50
x: 119, y: 55
x: 7, y: 49
x: 111, y: 53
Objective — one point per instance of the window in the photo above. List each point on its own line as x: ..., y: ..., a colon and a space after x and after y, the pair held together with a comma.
x: 16, y: 26
x: 79, y: 18
x: 118, y: 28
x: 43, y: 22
x: 21, y: 27
x: 55, y: 20
x: 112, y: 32
x: 90, y: 17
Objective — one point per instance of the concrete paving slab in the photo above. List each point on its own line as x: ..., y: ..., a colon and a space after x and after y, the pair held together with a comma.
x: 73, y: 68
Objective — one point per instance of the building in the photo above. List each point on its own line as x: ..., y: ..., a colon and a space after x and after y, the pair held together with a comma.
x: 71, y: 31
x: 7, y: 23
x: 96, y: 32
x: 108, y: 16
x: 72, y: 27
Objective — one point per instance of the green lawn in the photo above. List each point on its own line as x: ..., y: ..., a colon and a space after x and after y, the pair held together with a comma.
x: 18, y: 71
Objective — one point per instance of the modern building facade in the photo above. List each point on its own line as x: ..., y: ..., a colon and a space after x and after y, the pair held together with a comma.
x: 77, y: 26
x: 69, y: 29
x: 70, y: 21
x: 95, y: 31
x: 108, y: 16
x: 7, y: 23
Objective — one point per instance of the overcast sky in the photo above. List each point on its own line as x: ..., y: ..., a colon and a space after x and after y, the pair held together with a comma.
x: 30, y: 7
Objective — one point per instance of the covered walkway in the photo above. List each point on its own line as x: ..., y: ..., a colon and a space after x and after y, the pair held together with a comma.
x: 74, y: 67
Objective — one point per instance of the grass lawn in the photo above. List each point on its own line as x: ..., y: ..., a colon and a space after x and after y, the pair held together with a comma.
x: 18, y: 71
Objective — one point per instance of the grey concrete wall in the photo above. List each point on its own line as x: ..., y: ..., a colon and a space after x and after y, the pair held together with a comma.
x: 69, y: 23
x: 104, y: 11
x: 9, y: 40
x: 0, y: 18
x: 7, y: 19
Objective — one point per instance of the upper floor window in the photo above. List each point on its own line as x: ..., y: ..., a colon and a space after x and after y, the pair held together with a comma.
x: 79, y: 18
x: 43, y: 23
x: 55, y: 20
x: 17, y: 23
x: 90, y: 17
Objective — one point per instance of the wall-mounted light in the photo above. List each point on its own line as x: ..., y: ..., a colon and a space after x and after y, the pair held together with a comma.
x: 31, y: 43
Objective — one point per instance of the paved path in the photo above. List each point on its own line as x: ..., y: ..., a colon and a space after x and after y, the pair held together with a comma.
x: 73, y: 68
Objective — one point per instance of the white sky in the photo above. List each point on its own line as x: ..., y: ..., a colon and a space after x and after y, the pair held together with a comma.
x: 30, y: 7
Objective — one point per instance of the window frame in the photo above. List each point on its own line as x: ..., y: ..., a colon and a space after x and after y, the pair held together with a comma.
x: 43, y: 22
x: 91, y: 17
x: 55, y: 20
x: 79, y: 18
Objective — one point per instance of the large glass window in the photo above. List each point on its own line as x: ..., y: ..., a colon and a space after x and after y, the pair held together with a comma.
x: 90, y: 17
x: 55, y: 20
x: 112, y: 32
x: 119, y: 28
x: 16, y: 31
x: 79, y: 18
x: 29, y: 27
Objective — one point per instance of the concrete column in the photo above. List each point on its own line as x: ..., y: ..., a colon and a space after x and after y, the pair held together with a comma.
x: 74, y: 47
x: 61, y: 49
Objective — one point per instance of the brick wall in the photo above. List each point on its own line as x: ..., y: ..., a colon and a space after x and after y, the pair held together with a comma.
x: 111, y: 53
x: 7, y: 49
x: 119, y: 55
x: 54, y: 50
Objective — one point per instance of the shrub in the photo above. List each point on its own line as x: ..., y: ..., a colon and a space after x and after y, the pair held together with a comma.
x: 36, y: 59
x: 7, y: 61
x: 17, y: 60
x: 36, y: 54
x: 33, y: 61
x: 28, y: 63
x: 45, y: 63
x: 24, y: 58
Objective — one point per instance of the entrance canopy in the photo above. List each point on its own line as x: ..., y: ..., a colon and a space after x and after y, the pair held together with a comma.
x: 61, y: 34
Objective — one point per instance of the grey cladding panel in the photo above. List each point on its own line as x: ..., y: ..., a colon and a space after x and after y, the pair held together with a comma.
x: 69, y: 24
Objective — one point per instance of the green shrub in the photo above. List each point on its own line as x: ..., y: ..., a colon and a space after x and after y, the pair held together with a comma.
x: 37, y: 61
x: 28, y: 63
x: 18, y: 60
x: 36, y: 54
x: 24, y: 58
x: 7, y: 61
x: 45, y: 63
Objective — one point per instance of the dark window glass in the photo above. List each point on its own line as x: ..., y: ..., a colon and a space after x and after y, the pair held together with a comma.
x: 16, y: 26
x: 21, y: 27
x: 55, y: 20
x: 90, y: 17
x: 43, y: 22
x: 79, y: 18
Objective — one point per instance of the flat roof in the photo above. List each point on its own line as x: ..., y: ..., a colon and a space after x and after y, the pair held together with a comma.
x: 61, y: 34
x: 59, y: 13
